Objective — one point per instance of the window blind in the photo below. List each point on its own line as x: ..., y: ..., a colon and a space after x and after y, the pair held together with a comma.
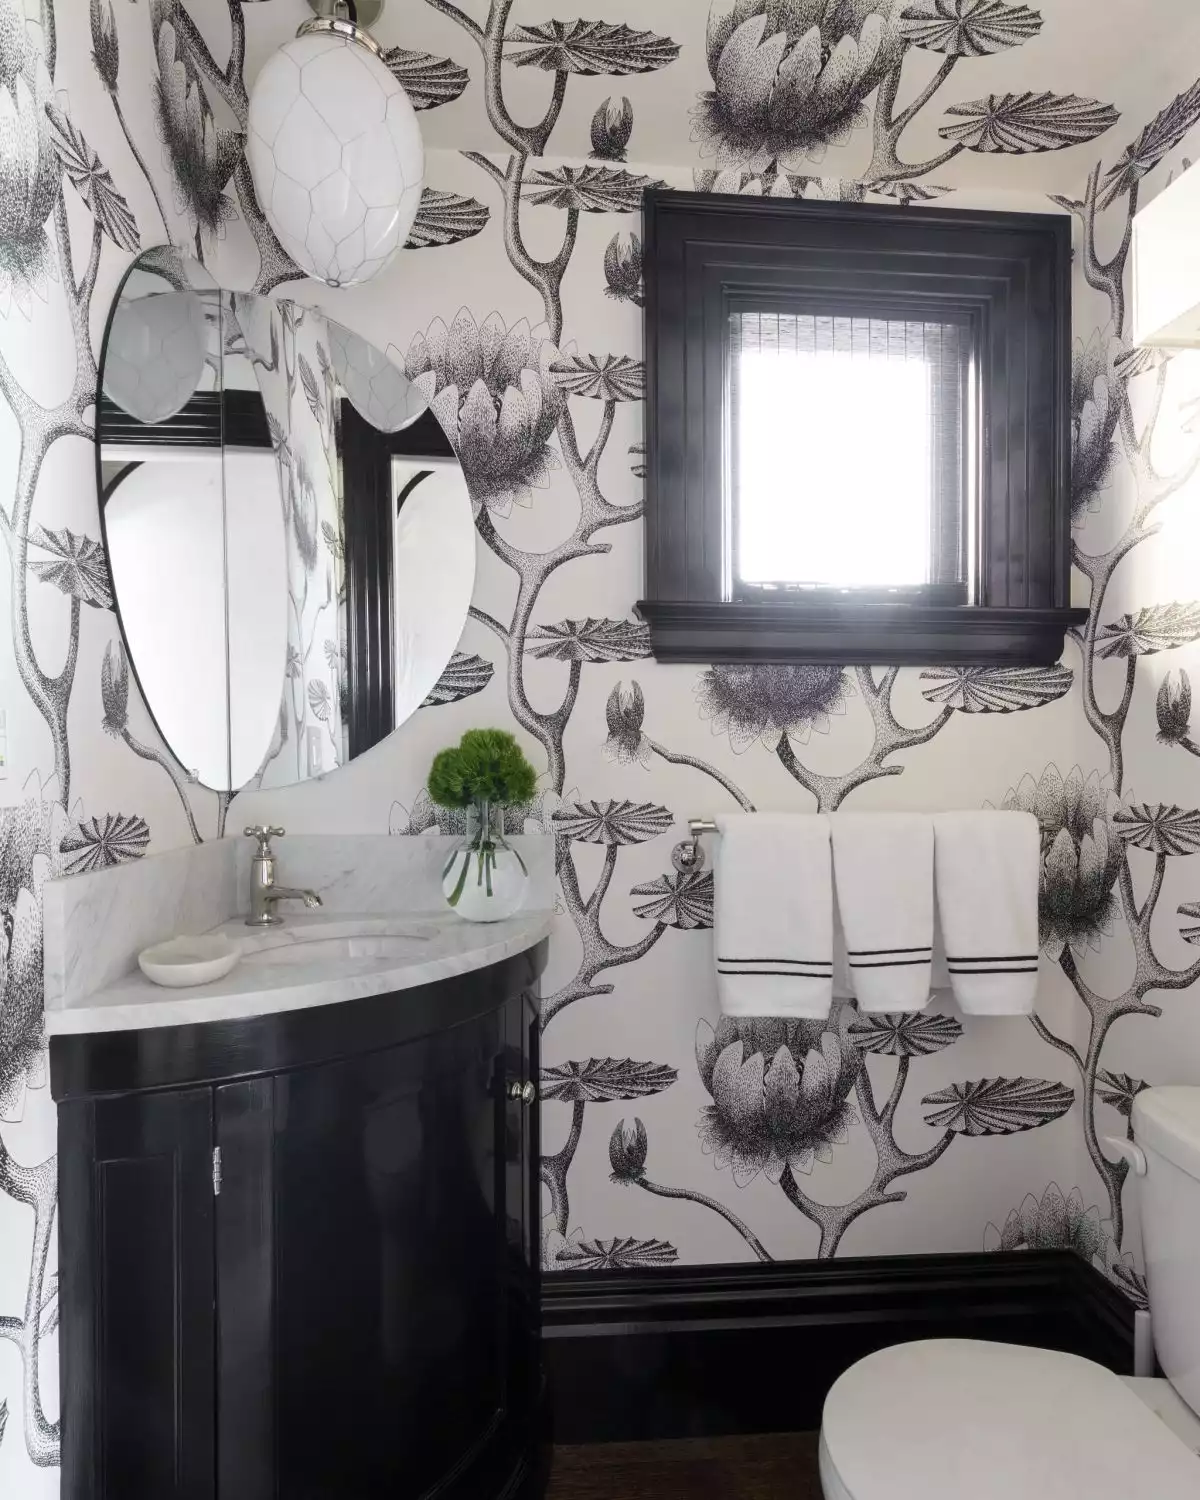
x: 944, y: 348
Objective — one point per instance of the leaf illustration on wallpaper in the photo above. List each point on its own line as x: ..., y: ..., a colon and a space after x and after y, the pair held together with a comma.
x: 445, y: 219
x: 969, y: 28
x: 29, y: 169
x: 92, y: 180
x: 612, y: 129
x: 589, y: 47
x: 101, y: 843
x: 1159, y: 627
x: 1014, y: 124
x: 1173, y: 711
x: 1159, y: 829
x: 492, y: 390
x: 905, y: 1035
x: 623, y: 1254
x: 910, y: 192
x: 602, y: 1080
x: 1118, y: 1090
x: 612, y: 822
x: 79, y: 569
x: 1163, y: 134
x: 1095, y: 411
x: 625, y: 713
x: 637, y: 451
x: 997, y: 1106
x: 683, y: 899
x: 320, y: 700
x: 463, y: 677
x: 589, y: 190
x: 601, y: 377
x: 428, y: 81
x: 106, y: 47
x: 202, y: 156
x: 1081, y: 857
x: 780, y: 1092
x: 791, y: 80
x: 996, y: 690
x: 766, y: 704
x: 623, y: 270
x: 589, y: 640
x: 1190, y: 910
x: 312, y: 389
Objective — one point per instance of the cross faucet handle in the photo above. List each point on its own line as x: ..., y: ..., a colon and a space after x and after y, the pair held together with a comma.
x: 264, y: 833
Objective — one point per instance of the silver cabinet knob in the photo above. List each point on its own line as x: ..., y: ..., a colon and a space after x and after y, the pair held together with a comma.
x: 525, y: 1093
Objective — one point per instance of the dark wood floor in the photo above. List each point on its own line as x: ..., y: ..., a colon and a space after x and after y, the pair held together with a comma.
x: 782, y: 1467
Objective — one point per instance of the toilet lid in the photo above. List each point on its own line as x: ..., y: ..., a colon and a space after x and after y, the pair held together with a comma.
x: 947, y: 1419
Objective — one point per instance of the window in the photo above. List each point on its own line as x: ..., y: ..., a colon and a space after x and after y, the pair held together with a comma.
x: 812, y: 505
x: 858, y: 434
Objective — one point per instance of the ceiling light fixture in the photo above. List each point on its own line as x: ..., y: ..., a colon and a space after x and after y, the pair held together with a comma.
x: 335, y: 149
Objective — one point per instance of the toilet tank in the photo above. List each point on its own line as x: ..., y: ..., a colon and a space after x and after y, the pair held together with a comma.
x: 1166, y: 1125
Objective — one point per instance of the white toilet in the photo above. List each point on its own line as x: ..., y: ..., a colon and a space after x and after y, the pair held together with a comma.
x: 958, y: 1419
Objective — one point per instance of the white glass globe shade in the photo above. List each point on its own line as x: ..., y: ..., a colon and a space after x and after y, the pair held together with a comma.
x: 336, y: 155
x: 154, y: 356
x: 379, y: 391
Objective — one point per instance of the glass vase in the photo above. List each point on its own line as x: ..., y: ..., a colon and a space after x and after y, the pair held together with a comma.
x: 485, y: 879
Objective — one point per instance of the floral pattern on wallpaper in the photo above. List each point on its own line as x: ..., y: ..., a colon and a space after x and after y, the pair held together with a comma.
x: 790, y: 82
x: 67, y: 230
x: 285, y: 345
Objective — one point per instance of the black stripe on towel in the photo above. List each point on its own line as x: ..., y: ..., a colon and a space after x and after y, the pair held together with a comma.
x: 806, y: 963
x: 1030, y: 969
x: 995, y: 958
x: 890, y: 963
x: 879, y: 952
x: 786, y: 973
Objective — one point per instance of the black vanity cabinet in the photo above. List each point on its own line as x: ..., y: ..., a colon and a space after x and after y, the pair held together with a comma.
x: 300, y: 1254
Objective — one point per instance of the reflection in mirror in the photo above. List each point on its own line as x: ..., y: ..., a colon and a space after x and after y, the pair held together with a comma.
x: 289, y: 534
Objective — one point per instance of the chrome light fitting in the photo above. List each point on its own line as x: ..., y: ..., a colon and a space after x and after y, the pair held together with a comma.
x: 334, y: 147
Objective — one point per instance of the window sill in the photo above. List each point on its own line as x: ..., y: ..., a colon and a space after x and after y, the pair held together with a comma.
x: 856, y: 634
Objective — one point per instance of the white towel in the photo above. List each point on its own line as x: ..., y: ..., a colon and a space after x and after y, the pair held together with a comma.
x: 773, y: 909
x: 987, y: 866
x: 883, y: 868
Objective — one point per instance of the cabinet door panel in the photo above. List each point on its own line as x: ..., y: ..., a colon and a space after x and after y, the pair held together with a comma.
x: 245, y: 1326
x: 138, y: 1287
x: 389, y: 1251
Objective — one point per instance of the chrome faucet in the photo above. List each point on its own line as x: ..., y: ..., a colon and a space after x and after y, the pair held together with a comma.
x: 264, y: 893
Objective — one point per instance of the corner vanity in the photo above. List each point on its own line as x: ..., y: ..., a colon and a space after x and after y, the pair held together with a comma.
x: 299, y: 1205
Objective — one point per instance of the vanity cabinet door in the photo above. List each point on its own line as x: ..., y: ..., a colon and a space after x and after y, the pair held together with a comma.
x: 523, y: 1206
x: 137, y: 1292
x: 363, y: 1318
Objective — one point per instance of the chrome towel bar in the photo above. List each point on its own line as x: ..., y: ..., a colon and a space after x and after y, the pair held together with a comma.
x: 688, y: 856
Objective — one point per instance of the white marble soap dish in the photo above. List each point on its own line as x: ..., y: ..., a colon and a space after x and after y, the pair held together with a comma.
x: 185, y: 961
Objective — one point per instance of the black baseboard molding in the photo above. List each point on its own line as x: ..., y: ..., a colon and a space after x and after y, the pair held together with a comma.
x: 718, y: 1350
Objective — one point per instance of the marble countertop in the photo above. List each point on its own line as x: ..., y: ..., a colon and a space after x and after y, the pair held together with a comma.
x: 433, y: 946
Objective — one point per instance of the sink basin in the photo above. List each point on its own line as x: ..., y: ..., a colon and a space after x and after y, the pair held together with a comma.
x: 325, y: 950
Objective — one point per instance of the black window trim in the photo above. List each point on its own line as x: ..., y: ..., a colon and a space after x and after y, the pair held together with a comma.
x: 1011, y: 272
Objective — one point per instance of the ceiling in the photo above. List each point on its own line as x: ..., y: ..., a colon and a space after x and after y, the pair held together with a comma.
x: 1132, y: 55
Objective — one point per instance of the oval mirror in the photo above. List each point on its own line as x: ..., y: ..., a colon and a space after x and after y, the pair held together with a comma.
x: 289, y: 534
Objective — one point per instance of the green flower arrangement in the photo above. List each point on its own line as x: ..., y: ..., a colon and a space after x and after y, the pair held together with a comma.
x: 487, y: 769
x: 487, y: 765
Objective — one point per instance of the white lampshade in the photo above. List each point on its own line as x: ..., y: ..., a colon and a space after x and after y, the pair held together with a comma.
x: 378, y: 389
x: 336, y: 155
x: 154, y: 356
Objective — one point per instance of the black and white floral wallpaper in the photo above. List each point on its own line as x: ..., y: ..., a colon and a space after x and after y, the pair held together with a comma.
x: 671, y: 1134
